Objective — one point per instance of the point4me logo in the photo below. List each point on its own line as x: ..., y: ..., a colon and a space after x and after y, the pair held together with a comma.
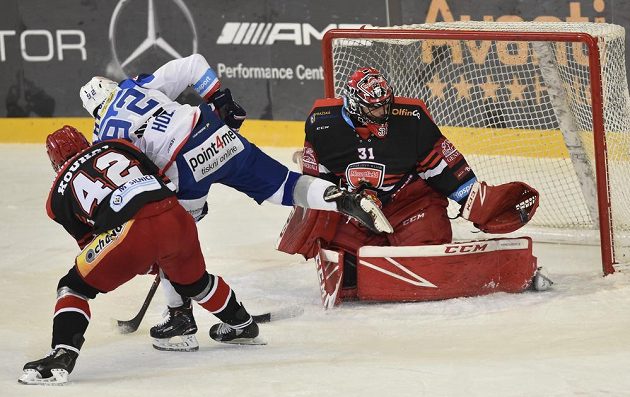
x: 213, y: 153
x: 254, y: 33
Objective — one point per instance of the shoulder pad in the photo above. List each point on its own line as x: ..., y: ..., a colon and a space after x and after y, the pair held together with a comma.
x: 324, y: 109
x: 326, y: 102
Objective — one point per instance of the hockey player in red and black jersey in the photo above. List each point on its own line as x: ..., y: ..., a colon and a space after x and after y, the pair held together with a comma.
x: 389, y: 146
x: 127, y: 220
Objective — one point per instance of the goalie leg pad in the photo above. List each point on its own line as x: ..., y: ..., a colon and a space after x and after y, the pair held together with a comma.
x: 304, y: 228
x: 329, y: 265
x: 435, y: 272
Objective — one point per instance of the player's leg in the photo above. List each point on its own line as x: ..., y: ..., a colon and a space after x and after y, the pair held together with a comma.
x: 183, y: 263
x: 70, y: 321
x: 107, y: 262
x: 177, y: 330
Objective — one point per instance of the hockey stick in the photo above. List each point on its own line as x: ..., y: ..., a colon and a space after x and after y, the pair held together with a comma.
x: 129, y: 326
x: 280, y: 314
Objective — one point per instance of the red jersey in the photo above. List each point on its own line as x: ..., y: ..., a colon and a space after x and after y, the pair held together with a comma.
x: 103, y: 187
x: 338, y: 148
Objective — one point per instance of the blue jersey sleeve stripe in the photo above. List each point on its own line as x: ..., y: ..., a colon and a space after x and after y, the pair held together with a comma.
x: 462, y: 191
x: 209, y: 82
x: 289, y: 185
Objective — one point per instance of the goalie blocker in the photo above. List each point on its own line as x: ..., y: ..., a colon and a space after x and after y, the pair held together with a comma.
x: 433, y: 272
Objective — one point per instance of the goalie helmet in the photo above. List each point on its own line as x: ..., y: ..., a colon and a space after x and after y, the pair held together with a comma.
x: 63, y: 144
x: 95, y: 92
x: 368, y: 97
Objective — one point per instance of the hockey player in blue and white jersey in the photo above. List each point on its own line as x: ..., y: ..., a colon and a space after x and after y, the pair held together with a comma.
x: 198, y: 146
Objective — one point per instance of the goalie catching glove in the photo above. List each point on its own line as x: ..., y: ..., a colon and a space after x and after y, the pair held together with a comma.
x: 500, y: 209
x: 361, y: 207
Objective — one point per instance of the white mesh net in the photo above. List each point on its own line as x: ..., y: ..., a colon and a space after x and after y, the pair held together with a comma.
x: 518, y: 110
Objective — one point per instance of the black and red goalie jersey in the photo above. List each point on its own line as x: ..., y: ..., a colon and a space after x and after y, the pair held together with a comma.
x: 102, y: 187
x: 339, y: 148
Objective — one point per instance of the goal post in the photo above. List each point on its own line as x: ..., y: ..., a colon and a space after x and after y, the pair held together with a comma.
x: 546, y: 103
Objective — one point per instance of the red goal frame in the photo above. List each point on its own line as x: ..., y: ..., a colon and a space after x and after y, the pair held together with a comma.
x: 601, y: 163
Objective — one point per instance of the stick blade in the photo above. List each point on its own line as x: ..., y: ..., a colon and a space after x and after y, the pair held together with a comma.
x: 124, y: 326
x: 280, y: 314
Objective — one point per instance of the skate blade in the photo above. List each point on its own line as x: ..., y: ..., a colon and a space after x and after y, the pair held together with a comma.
x: 541, y: 282
x: 32, y: 377
x: 246, y: 341
x: 184, y: 343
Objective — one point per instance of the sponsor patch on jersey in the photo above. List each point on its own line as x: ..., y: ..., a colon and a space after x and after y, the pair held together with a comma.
x: 207, y: 82
x: 308, y: 160
x: 462, y: 172
x: 320, y: 115
x: 449, y: 151
x: 123, y: 195
x: 97, y: 248
x: 365, y: 171
x: 461, y: 192
x: 406, y: 112
x: 213, y: 153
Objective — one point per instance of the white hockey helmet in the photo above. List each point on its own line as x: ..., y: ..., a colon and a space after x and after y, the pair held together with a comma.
x: 95, y: 92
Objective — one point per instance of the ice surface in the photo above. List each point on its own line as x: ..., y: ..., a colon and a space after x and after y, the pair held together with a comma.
x: 571, y: 341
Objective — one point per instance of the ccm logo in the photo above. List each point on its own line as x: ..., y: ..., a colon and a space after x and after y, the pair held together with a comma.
x: 465, y: 248
x: 413, y: 218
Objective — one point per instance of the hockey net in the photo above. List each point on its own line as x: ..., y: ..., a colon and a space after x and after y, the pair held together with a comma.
x: 543, y: 103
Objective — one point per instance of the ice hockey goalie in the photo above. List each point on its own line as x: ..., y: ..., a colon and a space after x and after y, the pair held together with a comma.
x: 387, y: 146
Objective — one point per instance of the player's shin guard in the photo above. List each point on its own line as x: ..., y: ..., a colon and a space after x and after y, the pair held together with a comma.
x: 445, y: 271
x: 71, y: 319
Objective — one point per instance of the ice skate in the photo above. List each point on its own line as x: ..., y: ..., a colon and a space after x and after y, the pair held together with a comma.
x: 245, y: 333
x: 540, y: 281
x: 177, y: 331
x: 51, y: 370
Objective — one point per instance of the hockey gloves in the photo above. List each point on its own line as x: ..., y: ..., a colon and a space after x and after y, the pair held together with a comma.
x: 500, y: 209
x: 230, y: 112
x: 361, y: 207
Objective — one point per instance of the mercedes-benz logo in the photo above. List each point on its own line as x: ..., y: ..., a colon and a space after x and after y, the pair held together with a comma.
x: 155, y: 39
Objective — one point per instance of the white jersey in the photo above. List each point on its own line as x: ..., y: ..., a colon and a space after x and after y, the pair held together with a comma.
x: 143, y: 110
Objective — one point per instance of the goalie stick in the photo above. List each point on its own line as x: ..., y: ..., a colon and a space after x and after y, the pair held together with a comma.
x: 130, y: 326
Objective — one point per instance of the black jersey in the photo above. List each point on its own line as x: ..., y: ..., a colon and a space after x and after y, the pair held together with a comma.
x: 102, y: 187
x: 413, y: 148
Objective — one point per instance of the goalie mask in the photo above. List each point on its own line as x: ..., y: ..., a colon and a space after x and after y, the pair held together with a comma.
x: 95, y: 92
x: 368, y: 97
x: 63, y: 144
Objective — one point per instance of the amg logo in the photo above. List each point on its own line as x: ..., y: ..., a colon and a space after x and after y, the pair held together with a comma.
x: 465, y: 248
x: 212, y: 154
x: 254, y: 33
